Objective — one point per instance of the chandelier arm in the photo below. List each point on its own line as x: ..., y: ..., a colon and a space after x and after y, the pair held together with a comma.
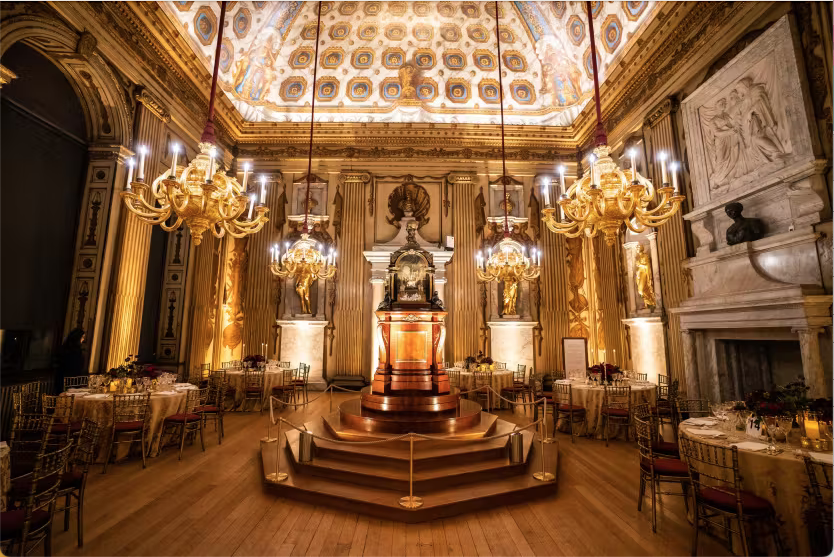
x: 140, y: 208
x: 218, y: 232
x: 632, y: 204
x: 636, y: 229
x: 173, y: 227
x: 172, y: 199
x: 599, y: 206
x: 660, y: 206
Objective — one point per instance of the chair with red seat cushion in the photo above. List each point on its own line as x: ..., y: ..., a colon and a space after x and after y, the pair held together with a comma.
x: 22, y: 529
x: 659, y: 447
x: 74, y: 480
x: 60, y: 408
x: 213, y: 408
x: 517, y: 388
x: 187, y: 420
x: 130, y: 419
x: 616, y: 408
x: 656, y: 469
x: 253, y: 387
x: 720, y: 499
x: 287, y: 390
x: 564, y: 407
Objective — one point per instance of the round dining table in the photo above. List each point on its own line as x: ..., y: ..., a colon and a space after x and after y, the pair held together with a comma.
x: 99, y: 408
x: 780, y: 478
x: 591, y: 398
x: 500, y: 379
x: 273, y: 377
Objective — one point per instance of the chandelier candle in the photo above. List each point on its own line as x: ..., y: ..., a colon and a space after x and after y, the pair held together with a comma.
x: 246, y: 168
x: 263, y: 190
x: 251, y: 205
x: 633, y: 167
x: 142, y: 152
x: 175, y: 149
x: 674, y: 168
x: 130, y: 164
x: 662, y: 156
x: 212, y: 154
x: 546, y: 193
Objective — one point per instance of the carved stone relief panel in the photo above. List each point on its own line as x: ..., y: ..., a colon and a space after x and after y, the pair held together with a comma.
x: 173, y: 295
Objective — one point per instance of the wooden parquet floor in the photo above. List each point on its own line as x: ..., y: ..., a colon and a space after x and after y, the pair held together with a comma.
x: 213, y: 503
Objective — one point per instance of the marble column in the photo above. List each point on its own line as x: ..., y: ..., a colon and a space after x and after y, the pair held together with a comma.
x: 809, y: 344
x: 259, y: 299
x: 350, y: 297
x: 690, y: 362
x: 465, y: 316
x: 660, y: 133
x: 128, y: 295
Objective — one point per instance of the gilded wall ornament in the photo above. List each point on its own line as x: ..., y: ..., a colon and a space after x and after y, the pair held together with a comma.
x: 409, y: 197
x: 643, y: 276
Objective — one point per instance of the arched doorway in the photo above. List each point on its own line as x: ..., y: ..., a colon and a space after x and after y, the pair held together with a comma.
x: 44, y: 143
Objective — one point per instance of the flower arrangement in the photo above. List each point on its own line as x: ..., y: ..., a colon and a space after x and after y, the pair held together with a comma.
x: 480, y: 359
x: 605, y: 371
x: 253, y: 360
x: 133, y: 369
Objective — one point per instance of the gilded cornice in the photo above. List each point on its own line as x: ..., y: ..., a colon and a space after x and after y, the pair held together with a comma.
x: 153, y: 105
x: 267, y: 154
x: 354, y: 176
x: 668, y: 106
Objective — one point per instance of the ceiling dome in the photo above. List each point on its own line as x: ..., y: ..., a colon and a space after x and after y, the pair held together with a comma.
x: 409, y: 61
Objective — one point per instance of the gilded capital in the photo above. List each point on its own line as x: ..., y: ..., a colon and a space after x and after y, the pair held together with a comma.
x: 460, y: 177
x: 669, y: 106
x: 361, y: 177
x: 153, y: 104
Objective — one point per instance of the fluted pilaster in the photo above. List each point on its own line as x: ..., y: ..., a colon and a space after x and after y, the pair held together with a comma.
x: 659, y: 130
x: 202, y: 302
x: 132, y: 260
x: 464, y: 316
x: 259, y: 299
x: 554, y: 313
x: 610, y: 296
x: 350, y: 290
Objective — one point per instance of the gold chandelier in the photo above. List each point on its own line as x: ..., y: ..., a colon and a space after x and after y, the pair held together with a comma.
x: 509, y: 261
x: 305, y: 259
x: 608, y: 198
x: 198, y: 195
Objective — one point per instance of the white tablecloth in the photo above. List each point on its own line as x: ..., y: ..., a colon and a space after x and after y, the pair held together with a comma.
x: 273, y: 377
x: 591, y: 398
x: 500, y: 380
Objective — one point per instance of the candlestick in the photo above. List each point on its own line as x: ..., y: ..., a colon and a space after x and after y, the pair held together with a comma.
x: 592, y: 159
x: 562, y: 178
x: 212, y: 153
x: 546, y: 193
x: 631, y: 153
x: 246, y: 168
x: 130, y: 164
x: 175, y: 148
x: 674, y: 168
x: 251, y: 205
x: 662, y: 156
x: 263, y: 190
x: 143, y: 151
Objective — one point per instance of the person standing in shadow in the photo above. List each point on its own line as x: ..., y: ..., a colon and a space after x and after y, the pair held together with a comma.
x: 70, y: 359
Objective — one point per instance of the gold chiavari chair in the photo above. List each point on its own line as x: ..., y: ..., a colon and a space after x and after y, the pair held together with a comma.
x: 616, y: 408
x: 231, y: 391
x: 74, y: 480
x: 665, y: 409
x: 644, y: 412
x: 563, y: 406
x: 287, y: 390
x: 29, y: 436
x: 26, y: 398
x: 60, y: 407
x: 130, y: 419
x: 691, y: 408
x: 77, y: 382
x: 641, y: 376
x: 225, y: 365
x: 717, y: 485
x: 299, y: 381
x: 656, y: 469
x: 23, y: 528
x: 500, y: 366
x: 213, y: 407
x: 483, y: 379
x: 819, y: 507
x: 517, y: 389
x: 284, y: 365
x: 454, y: 377
x: 188, y: 421
x: 253, y: 387
x: 662, y: 379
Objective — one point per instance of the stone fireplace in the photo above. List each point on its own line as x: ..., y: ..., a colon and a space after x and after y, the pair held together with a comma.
x: 757, y: 305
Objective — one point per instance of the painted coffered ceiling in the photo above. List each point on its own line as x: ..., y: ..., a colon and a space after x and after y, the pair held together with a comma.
x: 409, y: 61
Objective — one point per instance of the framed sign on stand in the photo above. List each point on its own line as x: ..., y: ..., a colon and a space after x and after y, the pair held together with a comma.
x: 575, y: 355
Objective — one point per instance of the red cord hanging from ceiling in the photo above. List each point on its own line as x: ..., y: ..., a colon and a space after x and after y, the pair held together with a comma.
x: 306, y: 228
x: 600, y: 137
x: 208, y: 130
x: 501, y: 101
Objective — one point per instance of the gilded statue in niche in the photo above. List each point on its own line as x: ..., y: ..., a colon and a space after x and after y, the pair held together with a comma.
x: 302, y: 287
x: 409, y: 198
x: 643, y: 277
x: 742, y: 129
x: 233, y: 294
x: 510, y: 281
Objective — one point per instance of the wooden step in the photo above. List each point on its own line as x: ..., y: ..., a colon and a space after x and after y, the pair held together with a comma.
x: 443, y: 472
x: 384, y: 503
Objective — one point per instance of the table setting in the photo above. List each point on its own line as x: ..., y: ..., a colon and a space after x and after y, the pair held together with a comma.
x: 273, y: 377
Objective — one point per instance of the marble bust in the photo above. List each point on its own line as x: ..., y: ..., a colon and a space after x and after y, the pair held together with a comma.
x: 743, y: 229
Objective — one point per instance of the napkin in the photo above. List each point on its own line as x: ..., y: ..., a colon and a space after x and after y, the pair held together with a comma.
x: 183, y: 385
x: 76, y: 391
x: 701, y: 421
x: 750, y: 446
x: 166, y: 392
x: 98, y: 396
x: 822, y: 457
x: 706, y: 432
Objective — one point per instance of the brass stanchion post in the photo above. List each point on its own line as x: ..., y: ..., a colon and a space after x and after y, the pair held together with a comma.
x: 544, y: 475
x: 278, y: 476
x: 331, y: 397
x: 546, y: 438
x: 411, y: 502
x: 268, y: 438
